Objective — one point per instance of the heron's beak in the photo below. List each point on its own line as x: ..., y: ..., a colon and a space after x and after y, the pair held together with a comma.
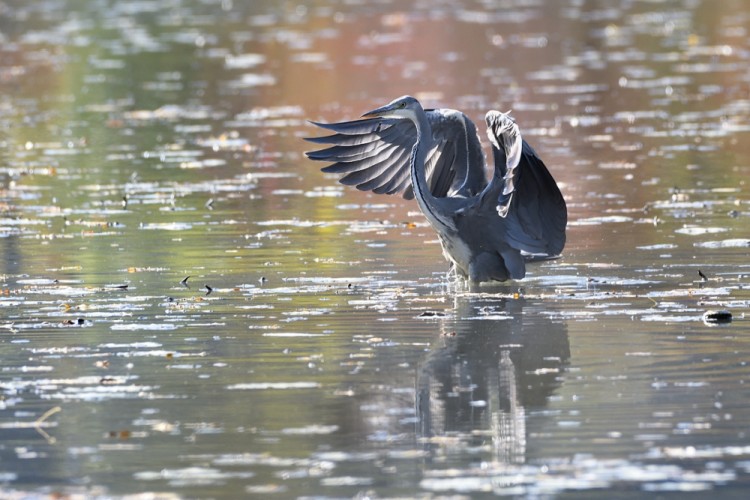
x: 381, y: 111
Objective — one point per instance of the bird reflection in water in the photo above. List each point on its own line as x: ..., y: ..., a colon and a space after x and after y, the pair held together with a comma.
x: 495, y: 365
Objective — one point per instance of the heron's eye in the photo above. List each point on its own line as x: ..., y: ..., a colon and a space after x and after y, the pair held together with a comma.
x: 402, y: 105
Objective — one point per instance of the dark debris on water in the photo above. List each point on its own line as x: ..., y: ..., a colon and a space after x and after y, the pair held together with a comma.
x: 717, y: 317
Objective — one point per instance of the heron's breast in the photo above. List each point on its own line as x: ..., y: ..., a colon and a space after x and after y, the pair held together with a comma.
x: 456, y: 250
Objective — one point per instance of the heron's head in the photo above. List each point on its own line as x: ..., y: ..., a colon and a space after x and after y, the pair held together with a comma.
x: 403, y: 107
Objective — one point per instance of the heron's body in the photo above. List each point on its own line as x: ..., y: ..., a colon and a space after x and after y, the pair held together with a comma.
x: 485, y: 228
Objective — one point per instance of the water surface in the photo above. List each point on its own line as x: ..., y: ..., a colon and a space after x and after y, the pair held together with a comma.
x: 189, y: 308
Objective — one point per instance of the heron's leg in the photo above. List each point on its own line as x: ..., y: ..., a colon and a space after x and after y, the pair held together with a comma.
x: 452, y: 273
x: 451, y: 278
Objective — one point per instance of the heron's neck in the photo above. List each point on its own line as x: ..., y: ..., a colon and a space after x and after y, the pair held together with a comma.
x: 428, y: 203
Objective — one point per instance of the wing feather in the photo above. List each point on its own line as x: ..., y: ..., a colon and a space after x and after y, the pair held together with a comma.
x: 374, y: 171
x: 526, y: 195
x: 374, y: 153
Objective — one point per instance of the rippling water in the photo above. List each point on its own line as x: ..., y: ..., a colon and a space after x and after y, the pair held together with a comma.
x: 189, y: 308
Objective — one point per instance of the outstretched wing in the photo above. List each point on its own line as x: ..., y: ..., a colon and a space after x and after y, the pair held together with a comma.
x: 527, y: 196
x: 373, y: 154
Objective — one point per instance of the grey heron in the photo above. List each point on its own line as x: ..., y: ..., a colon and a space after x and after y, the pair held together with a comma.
x: 488, y: 229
